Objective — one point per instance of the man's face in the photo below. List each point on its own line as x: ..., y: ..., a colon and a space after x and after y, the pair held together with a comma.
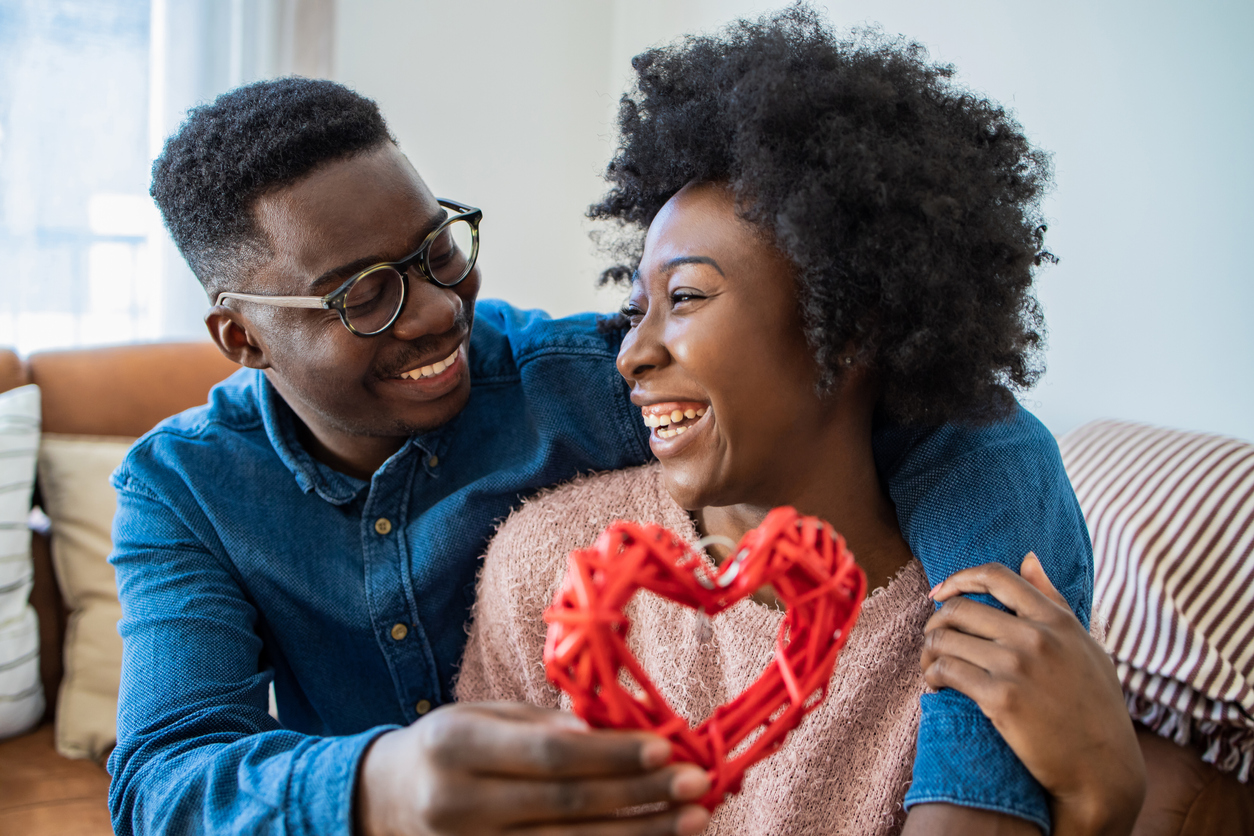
x: 328, y: 226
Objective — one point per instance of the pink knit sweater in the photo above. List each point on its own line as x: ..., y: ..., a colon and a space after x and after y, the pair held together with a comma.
x: 844, y: 770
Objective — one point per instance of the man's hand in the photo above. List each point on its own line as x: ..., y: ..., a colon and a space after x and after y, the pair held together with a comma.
x: 493, y: 768
x: 1047, y: 686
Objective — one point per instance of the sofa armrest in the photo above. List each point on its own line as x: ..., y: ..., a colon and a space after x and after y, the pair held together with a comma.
x: 1187, y: 796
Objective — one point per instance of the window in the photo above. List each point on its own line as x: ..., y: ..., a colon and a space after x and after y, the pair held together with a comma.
x: 89, y: 90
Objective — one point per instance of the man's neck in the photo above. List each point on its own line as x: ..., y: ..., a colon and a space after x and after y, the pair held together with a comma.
x: 342, y: 450
x: 356, y: 456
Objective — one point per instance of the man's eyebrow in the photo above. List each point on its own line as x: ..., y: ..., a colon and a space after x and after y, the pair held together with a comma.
x: 692, y: 259
x: 345, y: 270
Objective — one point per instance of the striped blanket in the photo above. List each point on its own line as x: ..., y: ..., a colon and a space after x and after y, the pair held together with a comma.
x: 1171, y: 516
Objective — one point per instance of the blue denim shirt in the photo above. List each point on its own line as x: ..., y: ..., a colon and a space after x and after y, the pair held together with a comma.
x: 241, y: 560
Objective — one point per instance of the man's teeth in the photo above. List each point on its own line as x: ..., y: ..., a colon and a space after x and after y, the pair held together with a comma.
x: 662, y: 423
x: 432, y: 370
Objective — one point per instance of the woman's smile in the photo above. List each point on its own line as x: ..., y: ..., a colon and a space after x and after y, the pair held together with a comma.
x: 675, y: 424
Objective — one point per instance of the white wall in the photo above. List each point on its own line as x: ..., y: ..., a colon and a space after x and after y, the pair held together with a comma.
x: 1148, y: 108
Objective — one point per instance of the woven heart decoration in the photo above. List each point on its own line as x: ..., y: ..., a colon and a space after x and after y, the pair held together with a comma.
x: 586, y: 652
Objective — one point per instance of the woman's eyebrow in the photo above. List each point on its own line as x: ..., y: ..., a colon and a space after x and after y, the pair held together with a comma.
x: 692, y: 259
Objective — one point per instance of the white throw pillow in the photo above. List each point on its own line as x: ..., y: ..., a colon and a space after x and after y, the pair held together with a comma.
x: 21, y: 691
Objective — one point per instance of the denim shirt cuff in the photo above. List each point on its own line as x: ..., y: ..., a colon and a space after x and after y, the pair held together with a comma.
x: 962, y: 759
x: 323, y: 784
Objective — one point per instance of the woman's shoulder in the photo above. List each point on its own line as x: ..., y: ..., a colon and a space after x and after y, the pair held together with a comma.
x: 577, y: 511
x: 524, y: 565
x: 531, y: 545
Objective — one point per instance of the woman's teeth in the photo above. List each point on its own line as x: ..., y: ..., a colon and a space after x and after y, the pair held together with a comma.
x: 432, y: 370
x: 673, y: 423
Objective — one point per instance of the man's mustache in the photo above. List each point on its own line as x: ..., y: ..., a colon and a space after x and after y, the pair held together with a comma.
x: 428, y: 345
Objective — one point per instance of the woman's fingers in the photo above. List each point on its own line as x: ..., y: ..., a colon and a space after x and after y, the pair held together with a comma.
x: 961, y: 675
x: 1034, y: 573
x: 939, y: 642
x: 973, y: 618
x: 1004, y: 585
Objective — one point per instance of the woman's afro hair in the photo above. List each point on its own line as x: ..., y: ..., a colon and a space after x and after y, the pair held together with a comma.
x: 908, y: 206
x: 248, y: 141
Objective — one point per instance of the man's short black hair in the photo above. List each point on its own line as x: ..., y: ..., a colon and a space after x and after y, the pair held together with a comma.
x: 249, y: 141
x: 908, y: 205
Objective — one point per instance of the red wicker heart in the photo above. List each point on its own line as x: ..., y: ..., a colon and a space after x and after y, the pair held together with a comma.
x: 586, y: 654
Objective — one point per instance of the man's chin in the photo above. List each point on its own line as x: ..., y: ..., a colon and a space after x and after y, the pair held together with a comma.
x: 415, y: 417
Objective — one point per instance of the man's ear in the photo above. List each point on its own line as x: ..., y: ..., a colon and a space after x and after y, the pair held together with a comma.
x: 235, y: 337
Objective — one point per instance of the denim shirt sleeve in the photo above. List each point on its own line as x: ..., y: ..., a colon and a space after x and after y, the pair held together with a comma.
x: 193, y: 727
x: 967, y: 496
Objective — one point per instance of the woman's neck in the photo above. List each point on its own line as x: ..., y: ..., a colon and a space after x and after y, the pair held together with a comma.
x: 832, y: 477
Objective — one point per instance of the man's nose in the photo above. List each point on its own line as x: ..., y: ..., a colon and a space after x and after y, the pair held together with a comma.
x: 428, y: 309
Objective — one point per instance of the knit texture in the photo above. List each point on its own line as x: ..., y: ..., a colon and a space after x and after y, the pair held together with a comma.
x: 844, y: 770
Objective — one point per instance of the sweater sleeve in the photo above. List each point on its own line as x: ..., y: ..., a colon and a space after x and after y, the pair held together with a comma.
x: 967, y: 496
x: 197, y: 751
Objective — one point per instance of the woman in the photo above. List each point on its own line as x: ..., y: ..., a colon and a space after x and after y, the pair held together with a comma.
x: 835, y: 236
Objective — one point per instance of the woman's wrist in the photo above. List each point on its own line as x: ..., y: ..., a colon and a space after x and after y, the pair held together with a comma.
x: 1112, y: 813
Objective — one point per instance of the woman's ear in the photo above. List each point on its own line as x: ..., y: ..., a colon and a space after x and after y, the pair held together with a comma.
x: 235, y: 338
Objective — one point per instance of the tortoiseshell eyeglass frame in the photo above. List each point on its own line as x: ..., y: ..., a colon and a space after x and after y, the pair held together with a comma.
x: 335, y: 300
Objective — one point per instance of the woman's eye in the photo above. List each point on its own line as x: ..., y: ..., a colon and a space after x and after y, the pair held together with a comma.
x: 633, y: 314
x: 686, y: 295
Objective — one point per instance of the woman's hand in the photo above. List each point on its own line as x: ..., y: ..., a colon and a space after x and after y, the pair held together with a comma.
x: 1047, y: 686
x: 489, y: 768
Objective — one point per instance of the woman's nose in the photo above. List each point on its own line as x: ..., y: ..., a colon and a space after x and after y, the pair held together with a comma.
x: 642, y: 350
x: 428, y: 309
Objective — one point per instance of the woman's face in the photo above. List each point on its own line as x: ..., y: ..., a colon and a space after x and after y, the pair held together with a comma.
x: 716, y: 357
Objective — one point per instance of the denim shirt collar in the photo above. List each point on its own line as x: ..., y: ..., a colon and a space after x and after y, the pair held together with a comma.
x: 312, y: 476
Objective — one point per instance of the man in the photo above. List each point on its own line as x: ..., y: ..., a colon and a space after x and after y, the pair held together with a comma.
x: 318, y: 523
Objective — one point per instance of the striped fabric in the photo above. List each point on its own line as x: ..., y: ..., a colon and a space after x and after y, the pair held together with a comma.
x: 1171, y: 516
x: 21, y: 694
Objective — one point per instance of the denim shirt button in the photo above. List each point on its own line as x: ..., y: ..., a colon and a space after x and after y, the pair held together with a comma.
x: 422, y: 707
x: 383, y: 525
x: 399, y: 631
x: 434, y: 461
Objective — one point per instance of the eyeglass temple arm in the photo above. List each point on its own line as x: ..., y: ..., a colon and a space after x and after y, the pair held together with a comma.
x: 276, y: 301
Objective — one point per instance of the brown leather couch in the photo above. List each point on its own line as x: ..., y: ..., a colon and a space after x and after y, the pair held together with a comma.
x: 121, y: 391
x: 124, y: 391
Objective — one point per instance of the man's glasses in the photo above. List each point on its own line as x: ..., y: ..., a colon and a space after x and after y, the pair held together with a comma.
x: 370, y: 301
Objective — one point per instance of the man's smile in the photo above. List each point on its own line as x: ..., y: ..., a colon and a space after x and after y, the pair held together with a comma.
x: 430, y: 380
x: 419, y: 372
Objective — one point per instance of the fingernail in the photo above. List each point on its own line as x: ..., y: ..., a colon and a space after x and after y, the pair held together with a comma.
x: 932, y: 594
x: 689, y: 784
x: 1032, y: 556
x: 691, y: 821
x: 655, y: 753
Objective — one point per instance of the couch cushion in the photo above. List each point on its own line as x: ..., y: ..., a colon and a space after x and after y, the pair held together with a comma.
x: 21, y: 690
x: 74, y: 481
x: 12, y: 372
x: 43, y: 794
x: 1171, y: 515
x: 124, y: 390
x: 1186, y: 796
